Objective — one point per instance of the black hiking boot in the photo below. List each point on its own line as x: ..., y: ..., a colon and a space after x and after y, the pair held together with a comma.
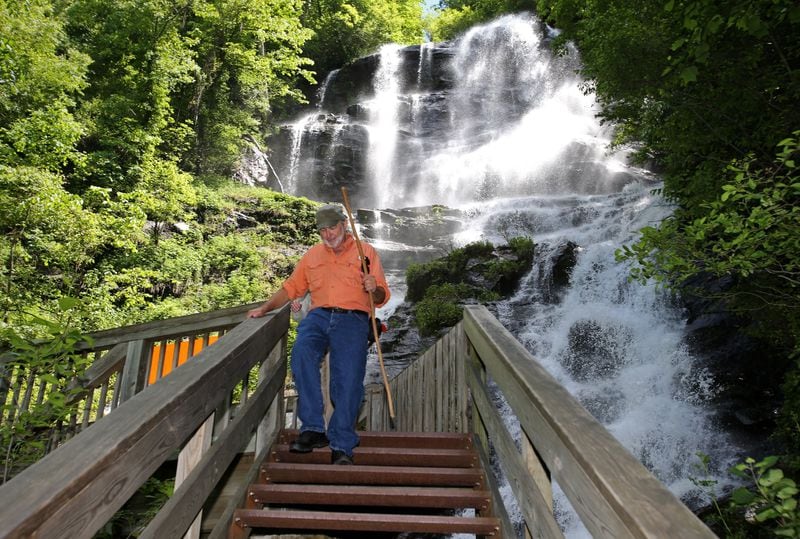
x: 307, y: 441
x: 340, y: 457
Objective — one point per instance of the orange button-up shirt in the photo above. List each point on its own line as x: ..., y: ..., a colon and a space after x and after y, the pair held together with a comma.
x: 336, y: 280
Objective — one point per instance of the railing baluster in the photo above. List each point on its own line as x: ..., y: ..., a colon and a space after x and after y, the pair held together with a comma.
x: 188, y: 458
x: 41, y: 393
x: 176, y: 350
x: 162, y: 353
x: 87, y: 408
x: 134, y: 372
x: 13, y: 405
x: 101, y: 407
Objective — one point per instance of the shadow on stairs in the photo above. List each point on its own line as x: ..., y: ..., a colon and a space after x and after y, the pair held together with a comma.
x: 401, y: 485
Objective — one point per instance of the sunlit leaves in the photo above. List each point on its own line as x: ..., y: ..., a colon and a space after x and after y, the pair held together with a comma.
x: 751, y: 231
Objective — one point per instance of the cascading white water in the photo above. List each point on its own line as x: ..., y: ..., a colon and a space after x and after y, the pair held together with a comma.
x: 616, y: 345
x: 298, y: 130
x: 522, y: 153
x: 383, y: 121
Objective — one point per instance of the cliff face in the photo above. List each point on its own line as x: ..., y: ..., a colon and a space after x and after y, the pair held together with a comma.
x: 327, y: 147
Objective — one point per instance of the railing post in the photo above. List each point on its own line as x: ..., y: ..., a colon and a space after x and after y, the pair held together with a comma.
x: 188, y: 458
x: 275, y: 417
x: 478, y: 425
x: 134, y: 372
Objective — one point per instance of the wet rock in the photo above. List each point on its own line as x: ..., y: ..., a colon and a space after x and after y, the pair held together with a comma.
x: 564, y: 262
x: 747, y: 372
x: 595, y: 351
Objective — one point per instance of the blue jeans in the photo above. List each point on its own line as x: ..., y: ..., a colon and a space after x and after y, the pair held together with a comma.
x: 345, y: 334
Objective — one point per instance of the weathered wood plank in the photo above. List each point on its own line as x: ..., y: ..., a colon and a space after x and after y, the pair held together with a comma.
x: 612, y: 492
x: 530, y: 498
x: 173, y: 327
x: 179, y: 511
x: 498, y: 508
x: 101, y: 369
x: 110, y: 460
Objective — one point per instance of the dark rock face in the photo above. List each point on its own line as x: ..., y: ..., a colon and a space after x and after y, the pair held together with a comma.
x: 326, y: 150
x: 748, y: 372
x: 354, y: 82
x: 565, y: 260
x: 421, y: 226
x: 592, y: 353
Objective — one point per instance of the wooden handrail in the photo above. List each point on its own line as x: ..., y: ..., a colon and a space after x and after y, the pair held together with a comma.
x: 165, y: 329
x: 612, y: 492
x: 122, y: 366
x: 75, y: 490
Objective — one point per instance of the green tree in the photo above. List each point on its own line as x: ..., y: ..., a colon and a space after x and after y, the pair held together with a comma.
x: 346, y: 30
x: 41, y: 77
x: 139, y: 57
x: 249, y: 58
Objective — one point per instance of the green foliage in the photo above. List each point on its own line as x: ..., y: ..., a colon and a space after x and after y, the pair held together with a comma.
x: 448, y: 269
x: 433, y: 314
x: 41, y: 76
x: 749, y: 232
x: 45, y: 367
x: 165, y: 194
x: 477, y: 271
x: 440, y: 307
x: 772, y: 497
x: 787, y: 431
x: 456, y: 16
x: 764, y: 506
x: 450, y: 23
x: 346, y: 30
x: 137, y: 512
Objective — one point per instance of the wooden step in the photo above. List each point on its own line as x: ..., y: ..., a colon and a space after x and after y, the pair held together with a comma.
x: 381, y: 496
x: 399, y: 483
x: 364, y: 522
x: 280, y: 472
x: 430, y: 440
x: 385, y: 456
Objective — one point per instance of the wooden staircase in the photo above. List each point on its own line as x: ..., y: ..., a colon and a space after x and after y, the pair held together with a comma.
x: 399, y: 483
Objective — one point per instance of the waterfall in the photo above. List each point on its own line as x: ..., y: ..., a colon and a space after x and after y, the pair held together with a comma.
x: 297, y: 131
x: 323, y: 89
x: 383, y: 124
x: 496, y: 126
x: 425, y: 61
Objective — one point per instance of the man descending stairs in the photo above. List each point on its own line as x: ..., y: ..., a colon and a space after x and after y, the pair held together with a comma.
x: 399, y: 482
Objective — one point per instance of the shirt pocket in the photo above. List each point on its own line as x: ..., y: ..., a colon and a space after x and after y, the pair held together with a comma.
x: 316, y: 273
x: 351, y: 274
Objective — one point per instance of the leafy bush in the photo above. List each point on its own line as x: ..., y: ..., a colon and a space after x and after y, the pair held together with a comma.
x: 764, y: 506
x: 439, y: 308
x: 44, y: 368
x: 441, y: 286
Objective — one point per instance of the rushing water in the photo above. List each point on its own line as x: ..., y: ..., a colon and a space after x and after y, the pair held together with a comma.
x: 520, y: 151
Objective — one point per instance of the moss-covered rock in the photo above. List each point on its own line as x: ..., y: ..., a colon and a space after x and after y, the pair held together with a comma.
x: 477, y: 272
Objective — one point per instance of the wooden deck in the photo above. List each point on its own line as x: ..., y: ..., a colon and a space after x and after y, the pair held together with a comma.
x: 230, y: 400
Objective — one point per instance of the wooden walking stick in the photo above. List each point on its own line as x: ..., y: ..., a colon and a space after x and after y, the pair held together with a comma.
x: 377, y: 335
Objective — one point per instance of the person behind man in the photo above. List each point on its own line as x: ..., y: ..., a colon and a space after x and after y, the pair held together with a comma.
x: 338, y: 321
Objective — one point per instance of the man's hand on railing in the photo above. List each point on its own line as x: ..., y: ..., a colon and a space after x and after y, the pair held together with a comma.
x: 278, y: 299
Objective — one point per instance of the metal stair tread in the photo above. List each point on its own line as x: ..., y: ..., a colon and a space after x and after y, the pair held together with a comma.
x: 288, y: 472
x: 353, y: 521
x: 383, y: 496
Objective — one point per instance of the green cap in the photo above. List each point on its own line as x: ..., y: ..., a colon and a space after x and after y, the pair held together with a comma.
x: 329, y: 215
